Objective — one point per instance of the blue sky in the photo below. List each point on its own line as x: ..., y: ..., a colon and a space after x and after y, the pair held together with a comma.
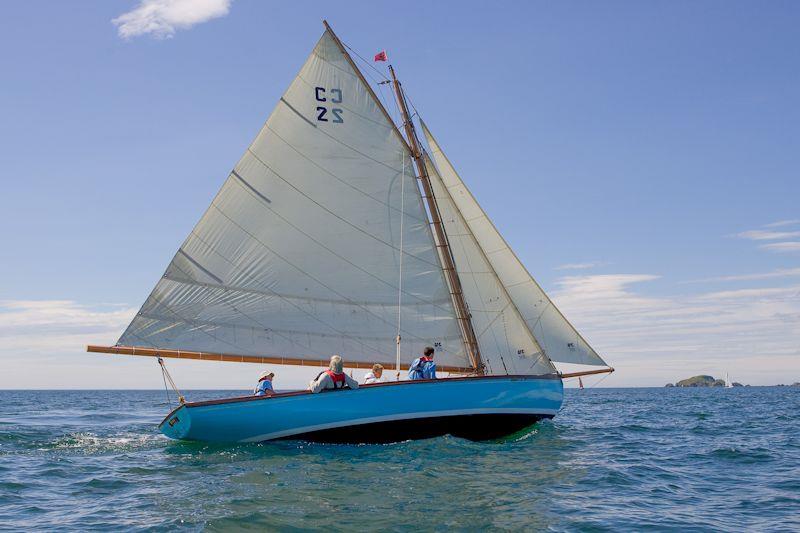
x: 641, y: 158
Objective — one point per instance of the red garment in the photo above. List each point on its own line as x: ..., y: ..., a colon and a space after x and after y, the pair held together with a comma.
x: 338, y: 379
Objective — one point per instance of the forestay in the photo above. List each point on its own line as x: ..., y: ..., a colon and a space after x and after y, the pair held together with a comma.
x: 298, y: 255
x: 553, y: 333
x: 507, y: 345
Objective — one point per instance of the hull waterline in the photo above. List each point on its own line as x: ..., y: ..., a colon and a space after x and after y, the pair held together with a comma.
x: 476, y: 408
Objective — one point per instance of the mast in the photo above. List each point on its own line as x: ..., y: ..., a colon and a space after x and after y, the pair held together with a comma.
x: 453, y: 281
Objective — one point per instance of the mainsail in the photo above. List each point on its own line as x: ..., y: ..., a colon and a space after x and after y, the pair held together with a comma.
x: 497, y: 264
x: 298, y: 255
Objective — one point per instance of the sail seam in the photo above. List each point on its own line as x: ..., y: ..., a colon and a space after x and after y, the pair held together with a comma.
x: 344, y: 182
x: 342, y: 143
x: 281, y: 296
x: 354, y: 226
x: 308, y: 274
x: 281, y: 332
x: 342, y: 105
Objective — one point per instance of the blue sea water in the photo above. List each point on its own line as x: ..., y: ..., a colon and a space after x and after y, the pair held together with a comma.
x: 614, y: 459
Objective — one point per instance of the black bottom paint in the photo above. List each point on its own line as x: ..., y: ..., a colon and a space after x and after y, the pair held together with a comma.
x: 472, y: 427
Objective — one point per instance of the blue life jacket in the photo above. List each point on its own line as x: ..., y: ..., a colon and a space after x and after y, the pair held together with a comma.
x: 263, y: 386
x: 422, y: 368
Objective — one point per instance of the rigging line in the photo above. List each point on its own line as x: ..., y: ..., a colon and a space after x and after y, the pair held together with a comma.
x: 400, y: 281
x: 597, y: 383
x: 370, y: 65
x: 356, y: 304
x: 167, y: 377
x: 325, y: 247
x: 164, y: 377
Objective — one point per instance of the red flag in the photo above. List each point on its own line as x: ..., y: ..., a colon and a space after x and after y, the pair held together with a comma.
x: 381, y: 56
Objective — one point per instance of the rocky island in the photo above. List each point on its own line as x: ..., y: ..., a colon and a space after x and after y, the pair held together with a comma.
x: 701, y: 381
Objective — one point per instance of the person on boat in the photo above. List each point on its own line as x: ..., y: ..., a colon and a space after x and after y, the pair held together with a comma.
x: 264, y: 387
x: 423, y: 367
x: 375, y: 375
x: 333, y: 378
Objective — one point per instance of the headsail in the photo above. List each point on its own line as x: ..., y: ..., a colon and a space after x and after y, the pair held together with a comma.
x: 507, y: 345
x: 553, y: 333
x: 298, y: 255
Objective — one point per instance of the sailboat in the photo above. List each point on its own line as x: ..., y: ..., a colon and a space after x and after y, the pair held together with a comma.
x: 338, y: 233
x: 728, y: 383
x: 580, y: 383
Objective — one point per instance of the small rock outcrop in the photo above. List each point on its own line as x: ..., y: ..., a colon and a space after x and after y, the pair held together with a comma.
x: 702, y: 381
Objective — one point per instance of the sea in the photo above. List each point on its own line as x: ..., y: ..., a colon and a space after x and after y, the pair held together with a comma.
x: 666, y: 459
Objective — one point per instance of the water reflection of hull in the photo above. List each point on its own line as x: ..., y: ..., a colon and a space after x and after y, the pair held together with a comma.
x: 476, y: 408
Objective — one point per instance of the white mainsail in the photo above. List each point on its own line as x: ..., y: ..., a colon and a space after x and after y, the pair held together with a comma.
x: 298, y: 255
x: 506, y: 344
x: 553, y: 333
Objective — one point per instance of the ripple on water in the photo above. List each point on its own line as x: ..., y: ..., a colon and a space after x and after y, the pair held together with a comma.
x: 614, y: 459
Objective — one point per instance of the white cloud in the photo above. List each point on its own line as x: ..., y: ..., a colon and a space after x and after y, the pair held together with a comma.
x: 43, y: 345
x: 780, y: 273
x: 581, y: 266
x: 39, y: 326
x: 762, y: 235
x: 162, y: 18
x: 652, y: 340
x: 791, y: 246
x: 782, y: 223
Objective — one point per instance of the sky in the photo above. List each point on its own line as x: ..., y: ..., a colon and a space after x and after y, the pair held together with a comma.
x: 642, y: 159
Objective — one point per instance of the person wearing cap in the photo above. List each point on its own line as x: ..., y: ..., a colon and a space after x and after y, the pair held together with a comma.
x: 264, y: 387
x: 333, y: 378
x: 423, y: 367
x: 375, y: 375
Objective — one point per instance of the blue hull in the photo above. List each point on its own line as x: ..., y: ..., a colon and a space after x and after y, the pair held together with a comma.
x: 477, y: 408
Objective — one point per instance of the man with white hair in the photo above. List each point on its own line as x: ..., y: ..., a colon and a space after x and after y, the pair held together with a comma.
x: 333, y: 378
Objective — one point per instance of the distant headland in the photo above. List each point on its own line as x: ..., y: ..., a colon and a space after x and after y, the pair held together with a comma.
x: 702, y: 381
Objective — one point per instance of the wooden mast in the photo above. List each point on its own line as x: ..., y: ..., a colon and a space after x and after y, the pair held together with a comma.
x: 453, y: 281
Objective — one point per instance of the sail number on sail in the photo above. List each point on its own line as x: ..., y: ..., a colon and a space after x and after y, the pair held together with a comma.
x: 335, y: 98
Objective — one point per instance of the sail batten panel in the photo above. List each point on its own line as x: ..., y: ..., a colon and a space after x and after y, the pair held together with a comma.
x: 560, y: 341
x: 299, y: 253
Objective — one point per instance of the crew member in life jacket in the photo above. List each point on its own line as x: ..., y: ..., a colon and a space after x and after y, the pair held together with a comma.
x: 333, y: 378
x: 423, y: 367
x: 264, y: 387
